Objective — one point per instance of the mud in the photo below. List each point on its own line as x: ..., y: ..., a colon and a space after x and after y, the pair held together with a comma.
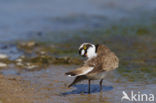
x: 44, y: 82
x: 50, y: 85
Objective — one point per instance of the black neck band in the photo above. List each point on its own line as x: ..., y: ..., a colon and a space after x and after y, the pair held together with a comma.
x: 96, y: 46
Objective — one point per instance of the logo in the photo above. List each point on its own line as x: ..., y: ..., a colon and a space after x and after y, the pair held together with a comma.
x: 140, y: 97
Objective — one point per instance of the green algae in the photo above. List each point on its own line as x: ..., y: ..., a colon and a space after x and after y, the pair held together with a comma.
x: 133, y: 43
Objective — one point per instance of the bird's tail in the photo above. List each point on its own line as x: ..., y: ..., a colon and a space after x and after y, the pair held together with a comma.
x: 80, y: 71
x: 77, y: 79
x: 72, y: 73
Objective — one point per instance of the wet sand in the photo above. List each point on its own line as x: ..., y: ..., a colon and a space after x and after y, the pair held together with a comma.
x: 50, y: 86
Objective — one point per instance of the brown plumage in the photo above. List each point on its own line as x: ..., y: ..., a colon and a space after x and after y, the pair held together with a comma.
x: 96, y: 67
x: 105, y: 60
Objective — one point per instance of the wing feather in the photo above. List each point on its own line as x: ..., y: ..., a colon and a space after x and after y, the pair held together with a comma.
x: 80, y: 71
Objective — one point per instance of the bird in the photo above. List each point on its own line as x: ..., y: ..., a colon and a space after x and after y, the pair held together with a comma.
x: 100, y: 60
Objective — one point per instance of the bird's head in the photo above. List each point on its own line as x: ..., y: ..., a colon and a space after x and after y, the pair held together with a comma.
x: 87, y: 50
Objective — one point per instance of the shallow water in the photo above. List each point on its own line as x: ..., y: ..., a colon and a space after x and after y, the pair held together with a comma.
x: 50, y: 85
x: 24, y: 19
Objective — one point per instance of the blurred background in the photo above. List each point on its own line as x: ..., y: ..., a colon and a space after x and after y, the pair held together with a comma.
x: 39, y: 39
x: 24, y: 19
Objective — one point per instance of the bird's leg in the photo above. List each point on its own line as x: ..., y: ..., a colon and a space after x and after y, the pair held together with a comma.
x: 89, y: 81
x: 101, y: 84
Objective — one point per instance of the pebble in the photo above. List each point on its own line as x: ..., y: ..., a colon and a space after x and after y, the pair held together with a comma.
x: 19, y: 60
x: 19, y: 64
x: 3, y: 56
x: 30, y: 66
x: 42, y: 52
x: 3, y: 65
x: 31, y: 44
x: 28, y: 44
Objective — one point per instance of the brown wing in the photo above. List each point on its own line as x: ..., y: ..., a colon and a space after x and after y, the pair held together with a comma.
x: 105, y: 61
x: 80, y: 71
x: 110, y: 62
x: 97, y: 69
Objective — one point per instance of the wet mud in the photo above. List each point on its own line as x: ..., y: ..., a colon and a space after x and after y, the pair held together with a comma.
x: 50, y: 85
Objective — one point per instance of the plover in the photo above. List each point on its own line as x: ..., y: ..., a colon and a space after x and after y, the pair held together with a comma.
x: 100, y: 60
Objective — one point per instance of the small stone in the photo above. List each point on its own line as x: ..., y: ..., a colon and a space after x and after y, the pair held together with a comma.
x: 42, y: 52
x: 3, y: 56
x: 31, y: 44
x: 22, y: 56
x: 19, y: 60
x: 28, y: 44
x: 19, y: 64
x: 28, y: 64
x: 3, y: 65
x: 32, y: 66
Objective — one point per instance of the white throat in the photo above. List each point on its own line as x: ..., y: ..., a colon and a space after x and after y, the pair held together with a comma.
x: 91, y: 52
